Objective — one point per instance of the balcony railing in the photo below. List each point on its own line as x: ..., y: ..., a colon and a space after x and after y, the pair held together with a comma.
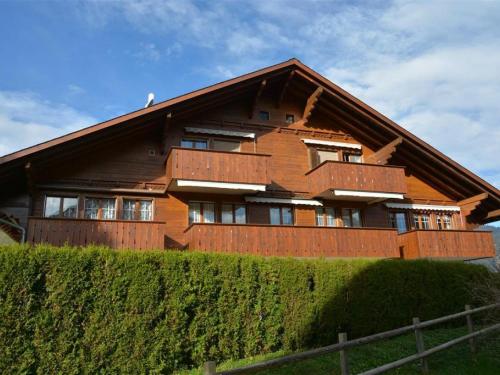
x: 117, y: 234
x: 334, y: 175
x: 295, y: 241
x: 446, y: 244
x: 218, y: 166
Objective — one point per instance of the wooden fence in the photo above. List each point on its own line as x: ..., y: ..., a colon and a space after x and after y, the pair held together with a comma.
x: 344, y: 344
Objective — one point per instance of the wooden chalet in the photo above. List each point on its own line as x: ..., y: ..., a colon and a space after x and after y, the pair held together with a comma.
x: 280, y: 161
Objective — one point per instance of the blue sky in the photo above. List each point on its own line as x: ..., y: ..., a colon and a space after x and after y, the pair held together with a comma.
x: 432, y: 66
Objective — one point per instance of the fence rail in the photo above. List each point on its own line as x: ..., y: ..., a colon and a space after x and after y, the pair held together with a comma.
x: 343, y: 345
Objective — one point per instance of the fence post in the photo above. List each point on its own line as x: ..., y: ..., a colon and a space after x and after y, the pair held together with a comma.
x: 344, y: 364
x: 470, y: 327
x: 209, y: 368
x: 420, y: 345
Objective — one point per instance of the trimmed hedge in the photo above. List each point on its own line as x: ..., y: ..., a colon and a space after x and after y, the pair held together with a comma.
x: 94, y: 310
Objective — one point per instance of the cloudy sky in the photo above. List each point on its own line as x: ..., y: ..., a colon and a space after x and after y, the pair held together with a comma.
x: 432, y: 66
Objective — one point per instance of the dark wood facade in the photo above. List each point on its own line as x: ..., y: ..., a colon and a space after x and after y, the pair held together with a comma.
x: 128, y: 183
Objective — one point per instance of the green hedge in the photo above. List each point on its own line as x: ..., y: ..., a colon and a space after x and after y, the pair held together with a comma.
x: 94, y: 310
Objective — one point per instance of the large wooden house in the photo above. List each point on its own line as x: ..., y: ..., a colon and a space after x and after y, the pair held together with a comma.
x: 280, y: 161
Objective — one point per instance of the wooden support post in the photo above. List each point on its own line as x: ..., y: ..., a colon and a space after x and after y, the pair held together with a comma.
x: 209, y: 368
x: 420, y: 345
x: 470, y: 327
x: 344, y: 364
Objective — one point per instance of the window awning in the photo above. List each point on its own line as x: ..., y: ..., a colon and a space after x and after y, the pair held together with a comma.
x: 294, y: 201
x: 409, y: 206
x: 366, y: 194
x: 330, y: 143
x: 228, y: 133
x: 188, y: 185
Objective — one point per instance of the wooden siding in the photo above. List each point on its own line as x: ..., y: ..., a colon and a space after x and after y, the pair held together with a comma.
x: 446, y: 244
x: 117, y: 234
x: 295, y: 241
x: 217, y: 166
x: 356, y: 176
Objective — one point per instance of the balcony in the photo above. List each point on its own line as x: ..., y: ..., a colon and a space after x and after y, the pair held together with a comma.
x: 117, y: 234
x: 294, y: 241
x: 444, y: 244
x: 355, y: 181
x: 217, y: 171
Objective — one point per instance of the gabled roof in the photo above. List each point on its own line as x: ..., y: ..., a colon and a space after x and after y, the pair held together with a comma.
x: 370, y: 120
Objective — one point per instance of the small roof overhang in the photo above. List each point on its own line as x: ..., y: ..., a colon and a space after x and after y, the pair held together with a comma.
x: 425, y: 207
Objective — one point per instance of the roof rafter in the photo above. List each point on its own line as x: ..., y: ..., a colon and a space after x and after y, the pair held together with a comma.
x: 284, y: 88
x: 256, y: 98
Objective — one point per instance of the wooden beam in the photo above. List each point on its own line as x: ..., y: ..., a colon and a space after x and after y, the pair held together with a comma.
x: 310, y: 104
x: 256, y: 98
x: 474, y: 199
x: 493, y: 215
x: 166, y: 125
x: 383, y: 155
x: 284, y: 88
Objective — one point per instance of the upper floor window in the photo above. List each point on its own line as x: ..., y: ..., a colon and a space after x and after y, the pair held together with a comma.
x: 264, y: 115
x: 281, y: 215
x: 195, y: 143
x: 100, y: 208
x: 61, y: 207
x: 289, y: 119
x: 352, y: 158
x: 351, y: 217
x: 325, y: 216
x: 421, y: 221
x: 444, y: 222
x: 223, y: 145
x: 137, y: 209
x: 324, y: 155
x: 201, y: 212
x: 398, y: 220
x: 233, y: 213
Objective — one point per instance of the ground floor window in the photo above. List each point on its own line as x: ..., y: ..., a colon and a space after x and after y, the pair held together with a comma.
x: 421, y: 221
x: 399, y: 221
x: 137, y: 209
x: 351, y: 217
x: 444, y: 222
x: 282, y: 215
x: 233, y: 213
x: 61, y: 207
x: 100, y: 208
x: 201, y: 212
x: 325, y: 216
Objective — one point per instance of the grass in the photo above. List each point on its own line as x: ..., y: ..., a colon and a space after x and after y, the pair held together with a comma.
x: 455, y: 361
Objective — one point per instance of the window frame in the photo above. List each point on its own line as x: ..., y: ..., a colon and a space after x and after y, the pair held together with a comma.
x: 418, y: 222
x: 262, y: 112
x: 280, y: 208
x: 61, y: 198
x: 441, y: 223
x: 324, y: 216
x: 394, y: 222
x: 202, y: 212
x: 210, y: 142
x: 233, y: 212
x: 137, y: 209
x: 291, y: 116
x: 351, y: 210
x: 100, y: 207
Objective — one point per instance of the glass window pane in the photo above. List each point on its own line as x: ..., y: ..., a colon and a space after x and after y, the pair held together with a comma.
x: 447, y: 222
x: 425, y: 221
x: 91, y: 208
x: 186, y: 143
x: 274, y: 215
x: 226, y: 145
x: 146, y: 210
x: 355, y: 158
x: 208, y: 213
x: 327, y: 155
x: 194, y: 213
x: 52, y: 206
x: 287, y: 215
x: 401, y: 221
x: 264, y: 115
x: 227, y: 213
x: 240, y: 214
x: 201, y: 144
x: 416, y: 221
x: 346, y: 217
x: 108, y: 209
x: 319, y: 217
x: 356, y: 217
x: 128, y: 209
x: 70, y: 207
x: 330, y: 216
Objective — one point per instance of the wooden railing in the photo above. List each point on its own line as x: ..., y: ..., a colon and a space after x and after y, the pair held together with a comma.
x: 295, y: 241
x: 446, y: 244
x: 344, y: 344
x: 117, y: 234
x: 356, y: 176
x: 218, y: 166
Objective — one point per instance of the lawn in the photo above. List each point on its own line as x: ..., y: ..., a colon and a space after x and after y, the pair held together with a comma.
x: 455, y: 361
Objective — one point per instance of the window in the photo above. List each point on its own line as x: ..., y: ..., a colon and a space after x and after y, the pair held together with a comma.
x: 201, y: 212
x: 351, y: 158
x: 61, y: 207
x: 233, y: 213
x: 281, y: 215
x: 325, y: 216
x: 195, y: 143
x: 289, y: 119
x: 351, y: 217
x: 264, y: 116
x: 398, y: 220
x: 327, y: 155
x: 226, y: 145
x: 100, y: 208
x: 421, y: 221
x: 137, y: 209
x: 444, y: 222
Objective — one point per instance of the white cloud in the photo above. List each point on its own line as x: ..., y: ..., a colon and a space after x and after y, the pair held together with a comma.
x: 26, y: 119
